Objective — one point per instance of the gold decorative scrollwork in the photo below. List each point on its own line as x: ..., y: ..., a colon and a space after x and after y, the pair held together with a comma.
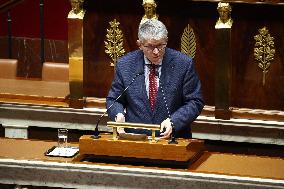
x: 188, y: 44
x: 114, y: 43
x: 264, y: 51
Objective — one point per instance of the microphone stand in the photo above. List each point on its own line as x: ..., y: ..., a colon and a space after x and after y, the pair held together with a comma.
x: 96, y: 132
x: 173, y: 134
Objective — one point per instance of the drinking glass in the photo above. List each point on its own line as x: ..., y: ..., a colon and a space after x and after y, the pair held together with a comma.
x: 62, y: 137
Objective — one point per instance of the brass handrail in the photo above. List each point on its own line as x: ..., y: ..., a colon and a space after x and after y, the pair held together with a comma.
x: 115, y: 125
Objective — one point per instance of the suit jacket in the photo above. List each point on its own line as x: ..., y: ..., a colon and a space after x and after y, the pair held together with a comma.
x: 181, y: 87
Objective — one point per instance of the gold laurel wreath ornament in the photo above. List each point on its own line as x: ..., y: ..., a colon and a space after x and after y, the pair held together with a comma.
x: 114, y: 43
x: 264, y: 51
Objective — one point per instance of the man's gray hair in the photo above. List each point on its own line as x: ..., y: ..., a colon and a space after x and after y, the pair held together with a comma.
x: 152, y: 29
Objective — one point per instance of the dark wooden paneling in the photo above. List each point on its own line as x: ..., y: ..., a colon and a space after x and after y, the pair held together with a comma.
x: 97, y: 72
x: 27, y: 51
x: 247, y: 90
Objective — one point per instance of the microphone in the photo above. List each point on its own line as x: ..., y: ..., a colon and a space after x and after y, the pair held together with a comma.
x: 96, y: 132
x: 173, y: 135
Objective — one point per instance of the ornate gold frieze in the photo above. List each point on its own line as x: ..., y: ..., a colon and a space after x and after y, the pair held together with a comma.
x: 114, y: 43
x: 264, y: 51
x: 188, y: 44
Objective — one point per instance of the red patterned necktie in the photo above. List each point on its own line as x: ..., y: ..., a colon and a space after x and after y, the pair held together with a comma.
x: 153, y: 87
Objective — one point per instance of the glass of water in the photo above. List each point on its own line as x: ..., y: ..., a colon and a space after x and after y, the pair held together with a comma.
x: 62, y: 137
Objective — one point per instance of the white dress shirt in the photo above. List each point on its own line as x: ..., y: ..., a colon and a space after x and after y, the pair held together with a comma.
x: 147, y: 72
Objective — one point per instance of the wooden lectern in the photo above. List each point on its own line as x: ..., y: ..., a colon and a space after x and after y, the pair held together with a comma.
x: 186, y: 151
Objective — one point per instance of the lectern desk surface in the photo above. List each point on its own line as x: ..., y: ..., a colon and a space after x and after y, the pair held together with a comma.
x: 23, y: 149
x: 22, y: 162
x: 240, y: 165
x: 213, y: 163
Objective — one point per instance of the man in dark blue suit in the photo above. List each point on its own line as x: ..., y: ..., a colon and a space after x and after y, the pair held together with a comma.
x: 166, y: 89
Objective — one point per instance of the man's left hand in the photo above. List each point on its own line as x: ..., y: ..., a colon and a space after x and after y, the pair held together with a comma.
x: 120, y: 118
x: 167, y: 126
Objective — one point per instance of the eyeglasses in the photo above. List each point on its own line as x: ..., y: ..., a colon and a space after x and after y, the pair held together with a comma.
x: 152, y: 47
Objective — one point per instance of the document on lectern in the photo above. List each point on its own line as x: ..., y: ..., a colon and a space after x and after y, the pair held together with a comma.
x: 62, y: 151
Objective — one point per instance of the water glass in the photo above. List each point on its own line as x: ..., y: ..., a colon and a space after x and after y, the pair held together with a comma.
x: 62, y: 137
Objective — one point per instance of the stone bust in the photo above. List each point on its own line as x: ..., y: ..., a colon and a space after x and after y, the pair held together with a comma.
x: 77, y: 9
x: 150, y: 10
x: 224, y: 21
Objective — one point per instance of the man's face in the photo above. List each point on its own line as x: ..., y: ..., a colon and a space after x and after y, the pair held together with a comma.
x: 154, y: 50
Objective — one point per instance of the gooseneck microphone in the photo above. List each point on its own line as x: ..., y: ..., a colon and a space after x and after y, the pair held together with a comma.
x: 173, y: 135
x: 96, y: 132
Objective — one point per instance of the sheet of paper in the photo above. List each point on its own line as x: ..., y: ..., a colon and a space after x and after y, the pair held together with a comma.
x: 64, y: 152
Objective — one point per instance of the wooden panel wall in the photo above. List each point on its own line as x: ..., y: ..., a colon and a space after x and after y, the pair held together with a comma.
x: 247, y: 89
x: 27, y: 51
x: 98, y: 73
x: 25, y: 31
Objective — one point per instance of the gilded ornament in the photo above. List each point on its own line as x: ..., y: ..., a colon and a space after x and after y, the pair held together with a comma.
x: 264, y: 51
x: 77, y: 10
x: 150, y: 10
x: 188, y: 44
x: 114, y: 43
x: 224, y: 20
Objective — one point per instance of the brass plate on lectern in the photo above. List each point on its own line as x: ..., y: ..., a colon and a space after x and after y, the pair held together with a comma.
x: 185, y: 150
